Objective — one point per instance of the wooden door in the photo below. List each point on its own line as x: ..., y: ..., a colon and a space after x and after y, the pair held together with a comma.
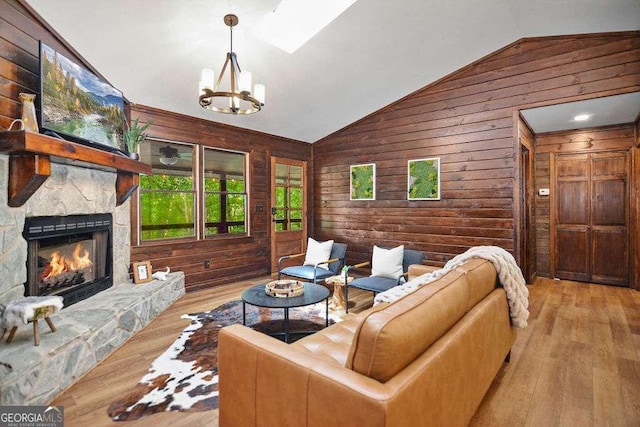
x: 609, y: 219
x: 288, y: 209
x: 590, y: 206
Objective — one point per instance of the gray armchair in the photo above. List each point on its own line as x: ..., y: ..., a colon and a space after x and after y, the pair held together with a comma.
x: 315, y: 273
x: 378, y: 284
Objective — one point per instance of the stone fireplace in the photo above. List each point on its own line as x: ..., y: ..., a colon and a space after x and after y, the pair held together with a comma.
x: 68, y: 191
x: 103, y: 308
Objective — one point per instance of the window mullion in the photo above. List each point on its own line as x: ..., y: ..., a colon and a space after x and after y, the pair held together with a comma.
x: 223, y: 227
x: 198, y: 162
x: 288, y: 207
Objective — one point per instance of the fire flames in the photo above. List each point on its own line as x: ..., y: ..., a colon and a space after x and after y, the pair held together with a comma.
x: 60, y: 264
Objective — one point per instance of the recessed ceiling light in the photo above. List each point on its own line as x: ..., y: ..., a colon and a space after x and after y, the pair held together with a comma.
x: 294, y: 22
x: 582, y: 117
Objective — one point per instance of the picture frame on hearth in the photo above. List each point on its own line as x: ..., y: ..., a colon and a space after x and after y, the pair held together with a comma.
x: 423, y: 179
x: 362, y: 182
x: 141, y: 272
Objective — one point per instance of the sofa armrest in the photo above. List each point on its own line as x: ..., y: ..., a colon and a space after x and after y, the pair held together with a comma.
x: 262, y: 378
x: 416, y: 270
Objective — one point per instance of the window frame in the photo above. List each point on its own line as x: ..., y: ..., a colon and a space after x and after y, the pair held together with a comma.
x: 287, y: 221
x: 203, y: 193
x: 199, y: 195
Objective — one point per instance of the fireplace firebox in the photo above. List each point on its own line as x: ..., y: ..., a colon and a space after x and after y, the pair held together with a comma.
x: 70, y: 256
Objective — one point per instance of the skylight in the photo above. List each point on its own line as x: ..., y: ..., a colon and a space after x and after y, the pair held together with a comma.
x: 294, y: 22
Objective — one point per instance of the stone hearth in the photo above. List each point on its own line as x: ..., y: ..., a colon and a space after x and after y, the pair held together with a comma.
x: 91, y: 329
x: 87, y: 332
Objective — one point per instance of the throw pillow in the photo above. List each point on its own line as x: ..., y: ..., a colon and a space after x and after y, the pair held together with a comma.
x: 387, y: 262
x: 318, y: 252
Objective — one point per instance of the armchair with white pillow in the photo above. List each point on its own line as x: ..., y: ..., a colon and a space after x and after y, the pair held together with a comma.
x: 389, y: 268
x: 321, y: 261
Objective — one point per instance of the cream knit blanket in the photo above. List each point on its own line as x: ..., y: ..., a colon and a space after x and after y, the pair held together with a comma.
x: 509, y: 274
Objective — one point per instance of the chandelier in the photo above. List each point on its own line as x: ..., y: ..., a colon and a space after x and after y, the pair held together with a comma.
x: 239, y: 99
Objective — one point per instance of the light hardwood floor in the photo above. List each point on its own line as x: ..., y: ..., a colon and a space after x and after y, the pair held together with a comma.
x: 576, y: 364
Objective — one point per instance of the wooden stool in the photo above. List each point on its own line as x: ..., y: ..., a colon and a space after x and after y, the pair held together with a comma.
x: 41, y: 313
x: 337, y: 301
x: 30, y: 309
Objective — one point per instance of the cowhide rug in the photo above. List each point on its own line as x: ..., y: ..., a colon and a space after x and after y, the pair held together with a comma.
x: 185, y: 376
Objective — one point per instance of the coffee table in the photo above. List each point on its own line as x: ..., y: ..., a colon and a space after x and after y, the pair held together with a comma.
x: 313, y: 294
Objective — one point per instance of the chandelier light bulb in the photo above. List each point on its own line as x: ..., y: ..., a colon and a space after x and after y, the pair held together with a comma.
x: 244, y: 81
x: 259, y: 92
x: 207, y: 77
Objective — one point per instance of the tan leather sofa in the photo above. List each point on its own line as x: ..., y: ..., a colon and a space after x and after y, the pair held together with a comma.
x: 426, y: 359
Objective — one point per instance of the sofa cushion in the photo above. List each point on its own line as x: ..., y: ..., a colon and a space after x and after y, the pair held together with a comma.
x: 332, y: 344
x: 387, y: 262
x: 374, y: 283
x: 482, y: 278
x: 391, y: 337
x: 306, y: 272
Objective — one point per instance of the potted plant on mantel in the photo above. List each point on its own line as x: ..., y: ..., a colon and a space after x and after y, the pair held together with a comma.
x: 134, y: 136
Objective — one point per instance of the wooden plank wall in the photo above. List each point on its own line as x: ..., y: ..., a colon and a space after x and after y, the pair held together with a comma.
x: 542, y: 206
x: 232, y: 258
x: 466, y: 119
x: 577, y: 141
x: 20, y: 31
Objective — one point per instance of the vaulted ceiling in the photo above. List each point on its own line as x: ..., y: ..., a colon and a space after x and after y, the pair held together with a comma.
x: 376, y: 52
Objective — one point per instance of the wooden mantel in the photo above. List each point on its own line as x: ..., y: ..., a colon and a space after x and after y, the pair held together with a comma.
x: 31, y: 154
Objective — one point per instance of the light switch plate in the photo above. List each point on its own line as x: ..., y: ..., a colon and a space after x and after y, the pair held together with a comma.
x: 543, y: 191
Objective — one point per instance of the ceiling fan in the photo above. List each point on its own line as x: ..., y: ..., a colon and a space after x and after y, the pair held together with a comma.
x: 169, y: 155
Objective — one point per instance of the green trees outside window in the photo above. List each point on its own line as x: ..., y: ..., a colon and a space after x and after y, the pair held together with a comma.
x: 289, y: 198
x: 225, y: 197
x: 169, y: 198
x: 167, y: 205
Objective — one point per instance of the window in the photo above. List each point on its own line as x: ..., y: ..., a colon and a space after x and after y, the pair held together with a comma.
x: 289, y: 197
x: 225, y: 195
x: 172, y: 196
x: 167, y: 198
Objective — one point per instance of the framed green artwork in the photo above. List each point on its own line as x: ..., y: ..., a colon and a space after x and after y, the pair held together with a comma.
x: 423, y: 179
x: 362, y: 182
